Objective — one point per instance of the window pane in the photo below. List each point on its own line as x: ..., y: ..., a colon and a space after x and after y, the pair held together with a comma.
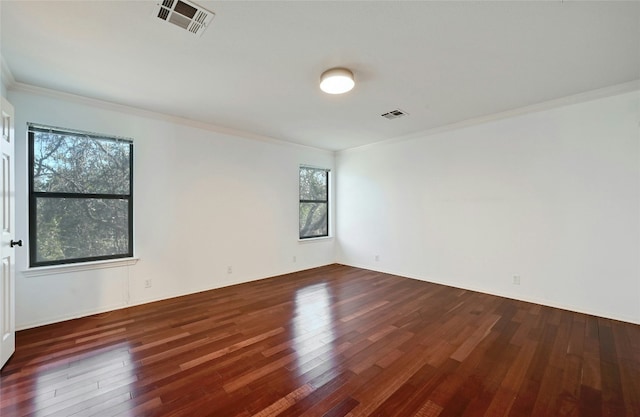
x: 80, y: 164
x: 313, y: 184
x: 313, y: 219
x: 70, y: 228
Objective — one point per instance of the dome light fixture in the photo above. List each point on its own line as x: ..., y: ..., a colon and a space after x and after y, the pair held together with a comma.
x: 336, y: 81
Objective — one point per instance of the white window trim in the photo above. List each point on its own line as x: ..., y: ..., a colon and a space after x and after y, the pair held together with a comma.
x: 314, y: 239
x: 78, y: 267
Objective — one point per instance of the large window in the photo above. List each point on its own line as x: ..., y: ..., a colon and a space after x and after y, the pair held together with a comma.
x: 314, y: 202
x: 80, y: 196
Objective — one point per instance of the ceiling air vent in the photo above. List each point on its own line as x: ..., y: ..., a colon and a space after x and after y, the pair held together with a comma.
x: 184, y: 14
x: 394, y: 114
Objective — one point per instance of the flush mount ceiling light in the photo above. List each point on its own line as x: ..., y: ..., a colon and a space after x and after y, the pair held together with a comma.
x: 336, y: 81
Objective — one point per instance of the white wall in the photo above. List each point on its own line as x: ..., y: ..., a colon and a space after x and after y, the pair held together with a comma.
x: 203, y: 201
x: 3, y: 82
x: 552, y: 196
x: 3, y: 77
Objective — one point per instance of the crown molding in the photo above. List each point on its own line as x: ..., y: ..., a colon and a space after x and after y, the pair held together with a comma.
x: 610, y: 91
x: 6, y: 76
x: 130, y: 110
x: 106, y: 105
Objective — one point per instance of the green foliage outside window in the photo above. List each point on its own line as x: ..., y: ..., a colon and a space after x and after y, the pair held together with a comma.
x: 80, y: 197
x: 314, y: 202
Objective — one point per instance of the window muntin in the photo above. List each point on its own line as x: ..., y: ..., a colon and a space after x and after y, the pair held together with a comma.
x: 314, y: 202
x: 80, y: 196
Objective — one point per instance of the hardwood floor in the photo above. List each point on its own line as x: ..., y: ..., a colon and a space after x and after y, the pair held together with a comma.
x: 333, y: 341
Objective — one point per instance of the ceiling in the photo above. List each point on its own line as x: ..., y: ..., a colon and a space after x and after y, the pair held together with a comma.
x: 257, y: 66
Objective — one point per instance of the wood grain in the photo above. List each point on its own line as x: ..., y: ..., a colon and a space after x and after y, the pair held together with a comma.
x: 334, y: 341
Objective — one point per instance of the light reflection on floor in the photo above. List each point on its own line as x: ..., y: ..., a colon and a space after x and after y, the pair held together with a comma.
x: 87, y: 375
x: 313, y: 326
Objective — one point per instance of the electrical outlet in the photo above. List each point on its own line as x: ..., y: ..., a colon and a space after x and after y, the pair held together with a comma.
x: 147, y: 283
x: 516, y: 280
x: 377, y: 258
x: 294, y: 259
x: 229, y: 270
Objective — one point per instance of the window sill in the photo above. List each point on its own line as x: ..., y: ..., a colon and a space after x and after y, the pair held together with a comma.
x: 314, y: 239
x: 85, y: 266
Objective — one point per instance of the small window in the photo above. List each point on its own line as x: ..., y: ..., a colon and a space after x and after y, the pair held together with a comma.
x: 314, y: 202
x: 80, y: 196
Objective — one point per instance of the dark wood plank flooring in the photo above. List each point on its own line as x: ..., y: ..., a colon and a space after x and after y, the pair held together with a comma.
x: 333, y: 341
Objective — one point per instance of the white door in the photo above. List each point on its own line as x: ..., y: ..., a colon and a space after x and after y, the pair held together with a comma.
x: 7, y: 244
